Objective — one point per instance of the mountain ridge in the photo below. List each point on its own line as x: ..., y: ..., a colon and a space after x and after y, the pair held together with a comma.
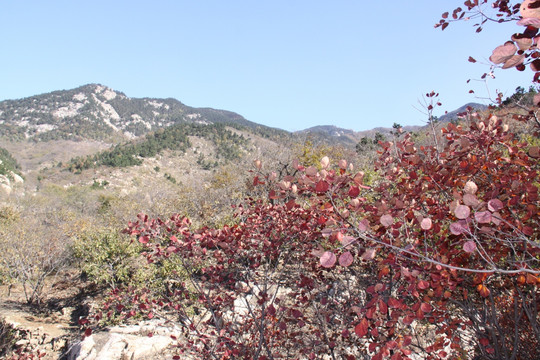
x: 97, y: 112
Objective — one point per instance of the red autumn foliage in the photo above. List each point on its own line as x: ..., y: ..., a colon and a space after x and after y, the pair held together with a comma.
x: 520, y: 49
x: 271, y: 286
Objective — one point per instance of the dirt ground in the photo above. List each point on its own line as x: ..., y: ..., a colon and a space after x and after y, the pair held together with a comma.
x: 53, y: 324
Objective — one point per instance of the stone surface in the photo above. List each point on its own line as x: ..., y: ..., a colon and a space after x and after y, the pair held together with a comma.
x: 147, y: 340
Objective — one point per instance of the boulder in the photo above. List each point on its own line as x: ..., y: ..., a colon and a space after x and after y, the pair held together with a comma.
x: 147, y: 340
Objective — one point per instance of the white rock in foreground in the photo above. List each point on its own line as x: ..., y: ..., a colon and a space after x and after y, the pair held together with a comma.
x: 126, y: 342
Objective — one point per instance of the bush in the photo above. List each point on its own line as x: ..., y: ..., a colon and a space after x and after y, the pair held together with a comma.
x: 105, y: 256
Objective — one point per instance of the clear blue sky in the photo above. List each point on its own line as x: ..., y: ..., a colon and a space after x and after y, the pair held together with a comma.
x: 283, y: 63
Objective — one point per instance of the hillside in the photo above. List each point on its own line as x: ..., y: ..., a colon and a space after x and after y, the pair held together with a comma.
x: 334, y: 134
x: 96, y: 112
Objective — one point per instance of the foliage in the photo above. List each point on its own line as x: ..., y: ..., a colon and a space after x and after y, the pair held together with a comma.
x: 310, y: 152
x: 8, y: 164
x: 105, y: 256
x: 520, y: 49
x: 438, y: 259
x: 228, y: 146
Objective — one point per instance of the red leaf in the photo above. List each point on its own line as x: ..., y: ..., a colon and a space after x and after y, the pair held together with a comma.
x: 503, y: 53
x: 423, y: 284
x: 470, y: 200
x: 387, y: 220
x: 290, y: 204
x: 534, y: 152
x: 272, y: 195
x: 346, y: 259
x: 363, y: 225
x: 383, y: 308
x: 470, y: 188
x: 394, y: 303
x: 483, y: 217
x: 362, y: 328
x: 87, y: 332
x: 527, y: 230
x: 328, y: 259
x: 354, y: 191
x: 425, y: 307
x: 462, y: 211
x: 514, y: 61
x: 408, y: 320
x: 483, y: 290
x: 322, y: 186
x: 426, y: 224
x: 495, y: 205
x: 458, y: 228
x: 144, y: 239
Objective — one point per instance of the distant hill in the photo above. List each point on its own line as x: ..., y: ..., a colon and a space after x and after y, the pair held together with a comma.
x: 453, y: 115
x: 334, y: 134
x: 96, y: 112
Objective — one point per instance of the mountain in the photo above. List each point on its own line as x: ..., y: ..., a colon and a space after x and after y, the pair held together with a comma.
x: 453, y: 115
x: 96, y: 112
x: 334, y: 134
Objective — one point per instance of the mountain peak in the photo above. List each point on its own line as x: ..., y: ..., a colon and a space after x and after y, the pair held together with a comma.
x: 97, y: 112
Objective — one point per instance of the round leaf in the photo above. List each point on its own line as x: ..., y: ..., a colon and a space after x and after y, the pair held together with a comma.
x: 483, y: 217
x: 523, y: 42
x: 458, y: 228
x: 322, y: 186
x: 502, y: 53
x: 311, y: 171
x: 470, y: 188
x: 529, y: 12
x: 328, y: 259
x: 325, y: 161
x: 470, y: 200
x: 425, y: 307
x: 363, y: 225
x: 495, y: 205
x: 426, y: 224
x: 462, y: 212
x: 469, y: 246
x: 529, y: 22
x: 387, y: 220
x: 346, y: 259
x: 513, y: 61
